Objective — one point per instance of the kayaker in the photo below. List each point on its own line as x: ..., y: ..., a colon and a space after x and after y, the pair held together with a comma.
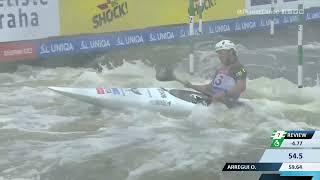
x: 229, y: 80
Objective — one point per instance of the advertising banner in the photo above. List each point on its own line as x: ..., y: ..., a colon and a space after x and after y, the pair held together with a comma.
x: 108, y: 41
x: 74, y: 45
x: 99, y: 16
x: 18, y: 51
x: 28, y: 19
x: 103, y: 43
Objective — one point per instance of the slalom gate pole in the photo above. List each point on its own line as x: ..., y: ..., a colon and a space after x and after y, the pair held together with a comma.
x: 200, y: 11
x: 300, y: 45
x: 191, y: 11
x: 272, y: 19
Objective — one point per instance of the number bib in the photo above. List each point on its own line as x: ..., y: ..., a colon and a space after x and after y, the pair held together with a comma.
x: 222, y: 82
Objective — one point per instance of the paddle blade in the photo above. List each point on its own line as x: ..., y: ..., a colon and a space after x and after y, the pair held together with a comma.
x: 164, y: 73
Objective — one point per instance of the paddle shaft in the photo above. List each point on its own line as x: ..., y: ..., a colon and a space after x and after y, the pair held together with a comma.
x: 199, y: 90
x: 163, y: 73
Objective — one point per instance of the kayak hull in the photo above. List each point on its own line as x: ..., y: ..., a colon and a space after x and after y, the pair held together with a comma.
x: 170, y: 101
x: 154, y: 99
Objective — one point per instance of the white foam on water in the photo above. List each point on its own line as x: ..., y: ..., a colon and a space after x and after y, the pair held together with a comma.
x: 145, y: 143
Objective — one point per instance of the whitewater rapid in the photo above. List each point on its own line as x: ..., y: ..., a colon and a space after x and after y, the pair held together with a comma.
x: 44, y: 135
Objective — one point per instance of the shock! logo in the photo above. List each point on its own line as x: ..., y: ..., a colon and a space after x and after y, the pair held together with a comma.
x: 207, y: 4
x: 111, y: 10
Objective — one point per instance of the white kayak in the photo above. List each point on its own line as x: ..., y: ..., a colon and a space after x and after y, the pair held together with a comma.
x: 173, y: 101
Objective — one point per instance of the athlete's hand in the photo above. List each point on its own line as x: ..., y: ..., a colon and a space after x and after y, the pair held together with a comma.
x: 187, y: 84
x: 219, y: 96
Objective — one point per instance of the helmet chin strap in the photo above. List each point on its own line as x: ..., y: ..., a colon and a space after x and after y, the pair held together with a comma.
x: 230, y: 60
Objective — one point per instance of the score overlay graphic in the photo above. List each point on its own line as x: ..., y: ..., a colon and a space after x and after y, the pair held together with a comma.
x: 292, y: 155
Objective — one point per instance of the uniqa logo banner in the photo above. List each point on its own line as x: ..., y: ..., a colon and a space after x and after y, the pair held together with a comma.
x: 28, y: 19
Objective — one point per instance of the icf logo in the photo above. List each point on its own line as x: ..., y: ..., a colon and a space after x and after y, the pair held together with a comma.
x: 277, y: 138
x: 278, y: 134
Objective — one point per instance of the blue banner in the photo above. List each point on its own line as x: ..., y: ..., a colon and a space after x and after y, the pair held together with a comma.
x: 75, y: 45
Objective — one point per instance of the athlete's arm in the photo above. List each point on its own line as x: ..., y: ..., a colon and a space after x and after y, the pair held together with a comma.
x: 240, y: 75
x: 201, y: 88
x: 204, y: 88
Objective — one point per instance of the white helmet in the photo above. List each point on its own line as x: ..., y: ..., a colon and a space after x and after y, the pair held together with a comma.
x: 226, y: 44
